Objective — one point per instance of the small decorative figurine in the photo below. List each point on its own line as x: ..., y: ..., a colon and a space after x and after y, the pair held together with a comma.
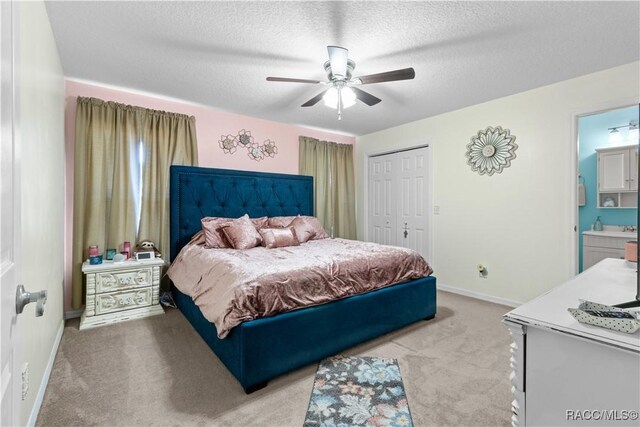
x: 148, y: 245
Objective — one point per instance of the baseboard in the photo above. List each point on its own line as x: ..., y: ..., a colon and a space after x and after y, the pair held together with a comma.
x: 73, y: 314
x: 480, y: 296
x: 45, y: 378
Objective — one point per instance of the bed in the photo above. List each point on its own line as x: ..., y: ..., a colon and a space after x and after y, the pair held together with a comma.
x: 258, y: 350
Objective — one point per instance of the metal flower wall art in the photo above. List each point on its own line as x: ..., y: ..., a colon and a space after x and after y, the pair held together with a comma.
x: 491, y: 150
x: 229, y: 144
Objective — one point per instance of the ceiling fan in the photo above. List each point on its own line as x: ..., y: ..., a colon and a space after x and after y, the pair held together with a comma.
x: 343, y: 92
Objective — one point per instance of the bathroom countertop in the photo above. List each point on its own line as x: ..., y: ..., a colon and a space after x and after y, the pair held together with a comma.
x: 632, y: 235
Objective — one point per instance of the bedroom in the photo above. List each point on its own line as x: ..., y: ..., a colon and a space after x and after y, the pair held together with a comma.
x: 556, y: 65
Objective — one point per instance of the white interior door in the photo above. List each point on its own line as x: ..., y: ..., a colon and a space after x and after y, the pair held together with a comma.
x: 399, y: 200
x: 413, y: 203
x: 9, y: 227
x: 382, y: 198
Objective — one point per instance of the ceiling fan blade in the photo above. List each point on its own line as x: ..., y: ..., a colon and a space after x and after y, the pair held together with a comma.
x: 286, y: 79
x: 338, y: 58
x: 313, y: 101
x: 366, y: 97
x: 389, y: 76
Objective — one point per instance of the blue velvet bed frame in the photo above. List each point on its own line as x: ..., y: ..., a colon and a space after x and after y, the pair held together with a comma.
x: 259, y: 350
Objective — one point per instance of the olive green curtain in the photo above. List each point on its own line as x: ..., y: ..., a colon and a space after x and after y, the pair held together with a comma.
x: 122, y: 154
x: 314, y: 161
x: 168, y: 139
x: 331, y: 165
x: 343, y: 185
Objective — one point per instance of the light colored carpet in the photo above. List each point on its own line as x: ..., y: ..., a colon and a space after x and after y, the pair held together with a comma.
x: 158, y: 371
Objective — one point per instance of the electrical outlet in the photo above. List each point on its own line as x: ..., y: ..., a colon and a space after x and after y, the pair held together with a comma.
x: 436, y: 210
x: 25, y: 380
x: 482, y: 271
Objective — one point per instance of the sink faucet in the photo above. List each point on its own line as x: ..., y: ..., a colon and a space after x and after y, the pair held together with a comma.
x: 631, y: 228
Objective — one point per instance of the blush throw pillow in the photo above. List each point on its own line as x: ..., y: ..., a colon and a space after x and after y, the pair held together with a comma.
x: 198, y: 239
x: 280, y: 221
x: 213, y: 235
x: 278, y: 237
x: 304, y: 231
x: 259, y: 223
x: 241, y: 233
x: 318, y: 229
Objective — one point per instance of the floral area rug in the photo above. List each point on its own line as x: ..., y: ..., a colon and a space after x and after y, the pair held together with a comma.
x: 358, y: 391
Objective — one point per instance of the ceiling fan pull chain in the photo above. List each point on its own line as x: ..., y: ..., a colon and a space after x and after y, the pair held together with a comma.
x: 339, y: 102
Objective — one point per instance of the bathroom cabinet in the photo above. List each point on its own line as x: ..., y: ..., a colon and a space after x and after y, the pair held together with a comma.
x: 618, y: 177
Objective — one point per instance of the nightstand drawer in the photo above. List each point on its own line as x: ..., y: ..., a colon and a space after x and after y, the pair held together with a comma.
x: 125, y: 279
x: 117, y: 301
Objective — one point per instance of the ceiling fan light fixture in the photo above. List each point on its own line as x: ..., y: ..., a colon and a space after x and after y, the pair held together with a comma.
x: 348, y: 97
x: 342, y: 90
x: 330, y: 98
x: 347, y: 94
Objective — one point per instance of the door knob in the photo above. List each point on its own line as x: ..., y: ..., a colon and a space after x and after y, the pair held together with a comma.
x: 23, y: 298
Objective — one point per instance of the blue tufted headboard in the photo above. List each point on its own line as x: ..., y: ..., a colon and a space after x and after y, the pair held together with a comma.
x: 199, y: 192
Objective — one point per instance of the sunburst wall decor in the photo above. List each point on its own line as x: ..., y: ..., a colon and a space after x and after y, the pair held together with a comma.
x: 229, y: 144
x: 491, y: 150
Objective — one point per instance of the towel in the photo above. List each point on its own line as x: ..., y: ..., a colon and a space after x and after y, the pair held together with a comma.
x: 582, y: 198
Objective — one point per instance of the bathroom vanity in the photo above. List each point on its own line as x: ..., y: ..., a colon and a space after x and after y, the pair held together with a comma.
x: 609, y: 243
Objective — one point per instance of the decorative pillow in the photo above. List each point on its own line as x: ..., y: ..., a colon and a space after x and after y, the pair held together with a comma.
x: 280, y: 221
x: 198, y: 239
x: 213, y: 234
x: 278, y: 237
x: 241, y: 233
x: 304, y: 231
x: 259, y: 223
x: 319, y: 230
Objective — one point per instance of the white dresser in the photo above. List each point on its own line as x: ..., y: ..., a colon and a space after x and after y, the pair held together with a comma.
x: 567, y: 373
x: 121, y: 291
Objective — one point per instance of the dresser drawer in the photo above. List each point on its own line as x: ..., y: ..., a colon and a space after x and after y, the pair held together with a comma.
x: 117, y: 301
x: 124, y: 279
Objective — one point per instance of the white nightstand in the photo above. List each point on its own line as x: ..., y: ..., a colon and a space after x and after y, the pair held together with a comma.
x: 119, y: 291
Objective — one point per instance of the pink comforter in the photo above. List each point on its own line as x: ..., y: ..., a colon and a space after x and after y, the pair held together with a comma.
x: 231, y: 286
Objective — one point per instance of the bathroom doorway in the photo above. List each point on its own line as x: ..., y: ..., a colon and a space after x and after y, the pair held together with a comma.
x: 607, y: 184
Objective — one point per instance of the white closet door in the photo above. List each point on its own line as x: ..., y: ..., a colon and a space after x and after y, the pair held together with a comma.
x: 382, y: 216
x: 399, y: 201
x: 413, y: 200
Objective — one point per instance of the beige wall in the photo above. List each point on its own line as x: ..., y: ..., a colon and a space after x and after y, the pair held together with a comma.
x: 519, y: 224
x: 41, y: 137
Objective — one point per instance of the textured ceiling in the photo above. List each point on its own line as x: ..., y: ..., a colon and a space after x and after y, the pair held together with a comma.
x: 219, y: 53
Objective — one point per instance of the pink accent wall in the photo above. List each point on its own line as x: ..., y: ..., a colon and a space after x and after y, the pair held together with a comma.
x: 210, y: 125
